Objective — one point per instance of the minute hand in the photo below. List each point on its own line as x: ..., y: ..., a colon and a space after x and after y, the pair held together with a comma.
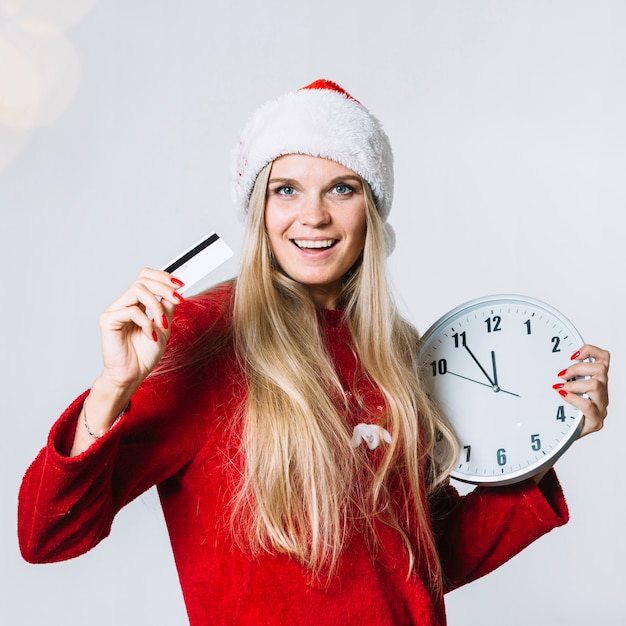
x: 482, y: 369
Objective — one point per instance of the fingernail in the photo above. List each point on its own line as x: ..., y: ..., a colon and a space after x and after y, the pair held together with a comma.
x: 178, y: 297
x: 575, y: 355
x: 563, y: 393
x: 164, y: 321
x: 558, y: 386
x: 175, y: 281
x: 562, y: 373
x: 155, y: 337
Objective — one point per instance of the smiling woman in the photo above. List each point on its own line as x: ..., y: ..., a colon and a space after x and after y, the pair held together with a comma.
x: 315, y: 221
x: 302, y: 468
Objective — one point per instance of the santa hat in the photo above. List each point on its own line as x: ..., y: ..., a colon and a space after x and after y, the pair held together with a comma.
x: 323, y: 120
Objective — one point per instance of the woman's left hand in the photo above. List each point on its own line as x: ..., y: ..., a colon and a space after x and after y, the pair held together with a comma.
x: 593, y: 382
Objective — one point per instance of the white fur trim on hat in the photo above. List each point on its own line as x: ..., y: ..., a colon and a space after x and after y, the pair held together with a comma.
x: 319, y: 120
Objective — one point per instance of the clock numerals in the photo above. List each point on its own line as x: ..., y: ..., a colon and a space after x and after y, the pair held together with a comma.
x: 501, y: 453
x: 493, y: 324
x: 561, y: 416
x: 556, y: 341
x: 501, y: 456
x: 439, y: 367
x: 459, y: 339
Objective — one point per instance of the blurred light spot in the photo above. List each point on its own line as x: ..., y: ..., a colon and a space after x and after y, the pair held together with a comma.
x: 39, y: 67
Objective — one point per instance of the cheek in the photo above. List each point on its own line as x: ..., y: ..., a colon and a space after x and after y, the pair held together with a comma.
x: 275, y: 222
x: 275, y: 228
x: 358, y: 231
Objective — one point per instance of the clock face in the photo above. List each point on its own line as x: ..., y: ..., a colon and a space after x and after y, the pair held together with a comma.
x: 490, y: 365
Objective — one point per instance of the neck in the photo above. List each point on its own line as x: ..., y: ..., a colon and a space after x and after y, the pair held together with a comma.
x: 326, y: 296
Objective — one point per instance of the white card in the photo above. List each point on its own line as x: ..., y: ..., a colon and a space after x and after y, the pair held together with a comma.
x: 198, y: 260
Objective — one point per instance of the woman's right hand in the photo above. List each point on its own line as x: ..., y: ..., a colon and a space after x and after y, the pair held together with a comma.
x: 133, y: 342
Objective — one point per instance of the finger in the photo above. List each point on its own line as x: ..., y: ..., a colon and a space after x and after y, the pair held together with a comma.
x: 586, y: 369
x: 587, y: 378
x: 166, y: 277
x: 171, y: 282
x: 166, y: 318
x: 129, y: 318
x: 151, y: 294
x: 592, y: 352
x: 586, y: 386
x: 140, y: 296
x: 594, y: 387
x: 593, y: 415
x: 593, y: 404
x: 591, y: 361
x: 161, y: 284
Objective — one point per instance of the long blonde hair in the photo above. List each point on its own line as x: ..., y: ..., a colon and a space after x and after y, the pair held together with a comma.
x: 304, y: 487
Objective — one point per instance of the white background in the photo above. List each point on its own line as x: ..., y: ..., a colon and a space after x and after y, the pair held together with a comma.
x: 116, y: 124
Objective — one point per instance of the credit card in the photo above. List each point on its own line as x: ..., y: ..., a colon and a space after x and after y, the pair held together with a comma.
x: 199, y: 260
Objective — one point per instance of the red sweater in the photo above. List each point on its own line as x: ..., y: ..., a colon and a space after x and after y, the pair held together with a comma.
x: 175, y: 436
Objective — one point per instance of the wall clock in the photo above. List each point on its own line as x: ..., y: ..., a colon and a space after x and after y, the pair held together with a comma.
x: 490, y: 365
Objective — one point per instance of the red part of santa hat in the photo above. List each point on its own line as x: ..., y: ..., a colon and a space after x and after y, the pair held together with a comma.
x: 322, y: 83
x: 321, y: 119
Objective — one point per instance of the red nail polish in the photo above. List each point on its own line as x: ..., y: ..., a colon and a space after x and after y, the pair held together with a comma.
x: 575, y: 355
x: 155, y: 337
x: 563, y: 393
x: 178, y: 297
x: 562, y: 373
x: 558, y: 386
x: 164, y: 321
x: 175, y: 281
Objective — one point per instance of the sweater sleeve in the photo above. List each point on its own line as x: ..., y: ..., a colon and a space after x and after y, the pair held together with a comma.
x: 478, y: 532
x: 66, y: 505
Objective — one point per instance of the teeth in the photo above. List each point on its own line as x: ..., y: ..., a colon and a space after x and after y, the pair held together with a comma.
x: 323, y: 243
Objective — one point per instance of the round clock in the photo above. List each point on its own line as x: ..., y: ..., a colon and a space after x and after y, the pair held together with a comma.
x: 490, y: 365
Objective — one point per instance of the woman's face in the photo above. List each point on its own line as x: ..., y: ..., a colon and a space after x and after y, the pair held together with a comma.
x: 315, y: 221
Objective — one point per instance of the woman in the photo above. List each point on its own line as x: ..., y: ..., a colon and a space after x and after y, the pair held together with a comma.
x: 281, y: 415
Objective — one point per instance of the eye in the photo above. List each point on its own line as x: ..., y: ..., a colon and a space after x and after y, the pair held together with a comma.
x: 342, y: 189
x: 285, y: 190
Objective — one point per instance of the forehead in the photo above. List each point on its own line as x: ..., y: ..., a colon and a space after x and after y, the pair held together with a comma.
x: 306, y: 167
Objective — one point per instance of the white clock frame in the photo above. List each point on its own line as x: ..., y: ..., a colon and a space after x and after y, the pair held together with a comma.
x: 490, y: 365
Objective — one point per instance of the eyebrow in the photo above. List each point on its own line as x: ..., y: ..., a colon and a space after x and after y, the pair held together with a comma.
x: 337, y: 179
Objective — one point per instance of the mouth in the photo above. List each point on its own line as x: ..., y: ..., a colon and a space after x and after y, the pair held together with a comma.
x: 317, y: 244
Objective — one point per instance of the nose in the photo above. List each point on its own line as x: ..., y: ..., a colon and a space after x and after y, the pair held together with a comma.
x: 313, y: 212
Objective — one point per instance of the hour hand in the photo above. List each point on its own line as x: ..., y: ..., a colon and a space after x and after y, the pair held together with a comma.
x: 495, y: 371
